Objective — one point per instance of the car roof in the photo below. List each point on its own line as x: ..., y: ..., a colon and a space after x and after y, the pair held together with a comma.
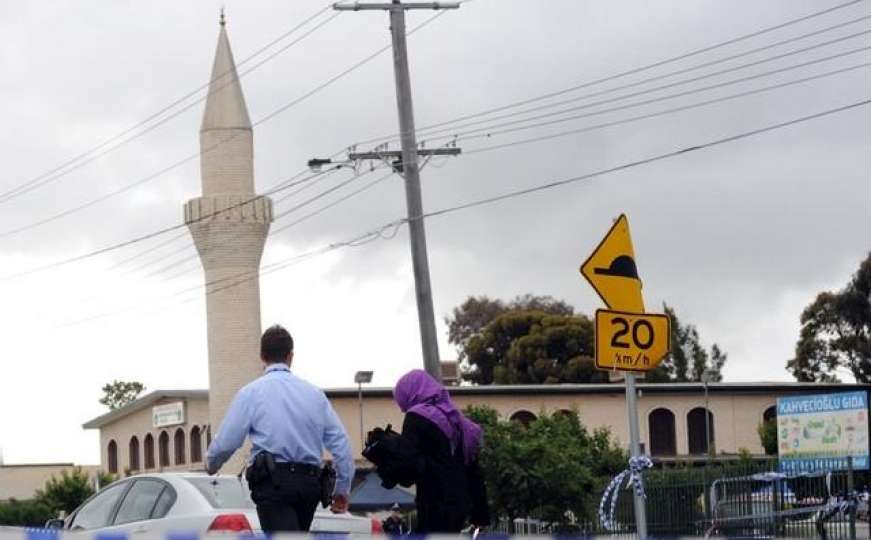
x: 170, y: 476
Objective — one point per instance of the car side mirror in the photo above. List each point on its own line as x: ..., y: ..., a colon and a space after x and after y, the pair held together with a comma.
x: 54, y: 524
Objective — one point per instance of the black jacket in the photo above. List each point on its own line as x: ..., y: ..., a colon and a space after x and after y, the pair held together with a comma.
x: 449, y: 492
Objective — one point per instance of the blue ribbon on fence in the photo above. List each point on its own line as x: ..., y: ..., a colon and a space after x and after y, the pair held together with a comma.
x: 637, y: 465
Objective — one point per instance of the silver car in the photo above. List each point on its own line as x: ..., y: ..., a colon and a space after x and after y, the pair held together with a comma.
x: 164, y: 502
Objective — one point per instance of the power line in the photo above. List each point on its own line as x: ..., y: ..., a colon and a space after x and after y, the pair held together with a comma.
x: 275, y: 218
x: 313, y: 181
x: 121, y: 263
x: 646, y: 161
x: 270, y: 116
x: 674, y: 84
x: 159, y: 232
x: 636, y: 70
x: 118, y: 246
x: 530, y: 140
x: 340, y: 200
x: 644, y: 116
x: 653, y: 65
x: 284, y: 214
x: 393, y: 226
x: 59, y: 172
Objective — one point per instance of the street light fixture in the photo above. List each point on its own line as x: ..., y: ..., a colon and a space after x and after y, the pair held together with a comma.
x: 707, y: 377
x: 362, y: 377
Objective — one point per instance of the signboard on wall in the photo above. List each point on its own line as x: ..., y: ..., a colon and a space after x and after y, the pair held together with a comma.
x: 170, y: 414
x: 820, y: 432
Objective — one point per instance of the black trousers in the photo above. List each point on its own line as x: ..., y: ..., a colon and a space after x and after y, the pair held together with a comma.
x: 287, y: 502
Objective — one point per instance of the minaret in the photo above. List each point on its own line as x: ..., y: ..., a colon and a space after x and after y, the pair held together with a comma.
x: 230, y: 243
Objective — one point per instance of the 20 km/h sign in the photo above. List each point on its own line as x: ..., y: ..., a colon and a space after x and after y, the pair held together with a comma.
x: 631, y: 341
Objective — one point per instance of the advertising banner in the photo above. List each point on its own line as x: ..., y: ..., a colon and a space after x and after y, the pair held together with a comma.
x: 819, y: 432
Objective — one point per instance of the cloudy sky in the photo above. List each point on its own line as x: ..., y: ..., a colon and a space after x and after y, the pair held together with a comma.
x: 738, y: 237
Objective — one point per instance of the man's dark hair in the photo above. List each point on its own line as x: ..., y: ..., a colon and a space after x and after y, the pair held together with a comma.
x: 275, y: 344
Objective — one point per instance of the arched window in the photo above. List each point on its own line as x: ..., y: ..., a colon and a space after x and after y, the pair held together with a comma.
x: 660, y: 425
x: 163, y: 449
x: 149, y: 451
x: 112, y: 457
x: 133, y: 463
x: 696, y: 428
x: 178, y: 445
x: 196, y: 445
x: 769, y: 414
x: 524, y: 417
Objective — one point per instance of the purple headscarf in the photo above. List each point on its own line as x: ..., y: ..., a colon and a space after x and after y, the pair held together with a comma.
x: 419, y: 393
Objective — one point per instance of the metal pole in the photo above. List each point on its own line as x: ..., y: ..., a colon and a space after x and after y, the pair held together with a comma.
x: 360, y: 401
x: 411, y: 174
x: 707, y: 423
x: 635, y: 449
x: 851, y: 492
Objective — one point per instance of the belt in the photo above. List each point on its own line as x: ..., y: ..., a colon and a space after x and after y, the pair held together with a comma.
x: 299, y: 468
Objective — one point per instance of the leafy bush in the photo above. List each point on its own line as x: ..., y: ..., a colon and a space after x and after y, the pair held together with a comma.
x: 29, y: 513
x: 67, y: 492
x: 552, y: 469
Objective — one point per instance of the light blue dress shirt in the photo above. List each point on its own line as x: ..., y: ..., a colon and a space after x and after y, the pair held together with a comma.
x: 287, y: 417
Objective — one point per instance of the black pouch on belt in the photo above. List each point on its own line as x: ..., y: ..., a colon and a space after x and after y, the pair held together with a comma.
x: 328, y: 484
x: 262, y: 469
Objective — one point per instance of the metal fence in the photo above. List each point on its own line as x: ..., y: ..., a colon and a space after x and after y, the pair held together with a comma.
x: 735, y: 499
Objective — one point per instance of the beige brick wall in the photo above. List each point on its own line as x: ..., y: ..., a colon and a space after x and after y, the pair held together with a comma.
x: 735, y: 416
x: 139, y: 425
x: 22, y: 481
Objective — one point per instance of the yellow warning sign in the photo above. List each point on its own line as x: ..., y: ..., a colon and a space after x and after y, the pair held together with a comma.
x: 631, y: 341
x: 612, y: 272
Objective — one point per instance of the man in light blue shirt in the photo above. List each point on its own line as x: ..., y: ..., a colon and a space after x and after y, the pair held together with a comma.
x: 289, y: 422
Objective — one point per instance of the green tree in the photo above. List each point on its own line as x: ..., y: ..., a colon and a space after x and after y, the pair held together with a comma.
x: 688, y: 359
x: 119, y: 393
x: 533, y: 347
x: 836, y: 332
x: 768, y: 436
x: 67, y: 492
x: 470, y: 317
x: 552, y: 469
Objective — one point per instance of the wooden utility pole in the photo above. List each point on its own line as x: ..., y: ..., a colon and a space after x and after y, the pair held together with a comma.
x: 411, y: 172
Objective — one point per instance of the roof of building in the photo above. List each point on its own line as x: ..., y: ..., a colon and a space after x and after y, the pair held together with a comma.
x: 34, y: 465
x: 225, y: 105
x: 521, y: 389
x: 143, y: 402
x: 618, y: 388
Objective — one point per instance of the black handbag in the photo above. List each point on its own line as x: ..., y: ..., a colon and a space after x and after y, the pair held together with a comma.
x: 394, y: 458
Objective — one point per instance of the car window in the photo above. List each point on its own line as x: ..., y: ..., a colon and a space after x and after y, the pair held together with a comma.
x: 98, y: 511
x: 164, y: 503
x: 139, y: 501
x: 223, y: 492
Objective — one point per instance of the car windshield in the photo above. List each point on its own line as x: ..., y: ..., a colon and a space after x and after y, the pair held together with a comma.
x: 223, y: 492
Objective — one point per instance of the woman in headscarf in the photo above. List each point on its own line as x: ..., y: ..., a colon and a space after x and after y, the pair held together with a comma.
x: 446, y: 444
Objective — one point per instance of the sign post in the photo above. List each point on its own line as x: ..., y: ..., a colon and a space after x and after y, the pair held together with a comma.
x: 627, y: 339
x: 635, y: 451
